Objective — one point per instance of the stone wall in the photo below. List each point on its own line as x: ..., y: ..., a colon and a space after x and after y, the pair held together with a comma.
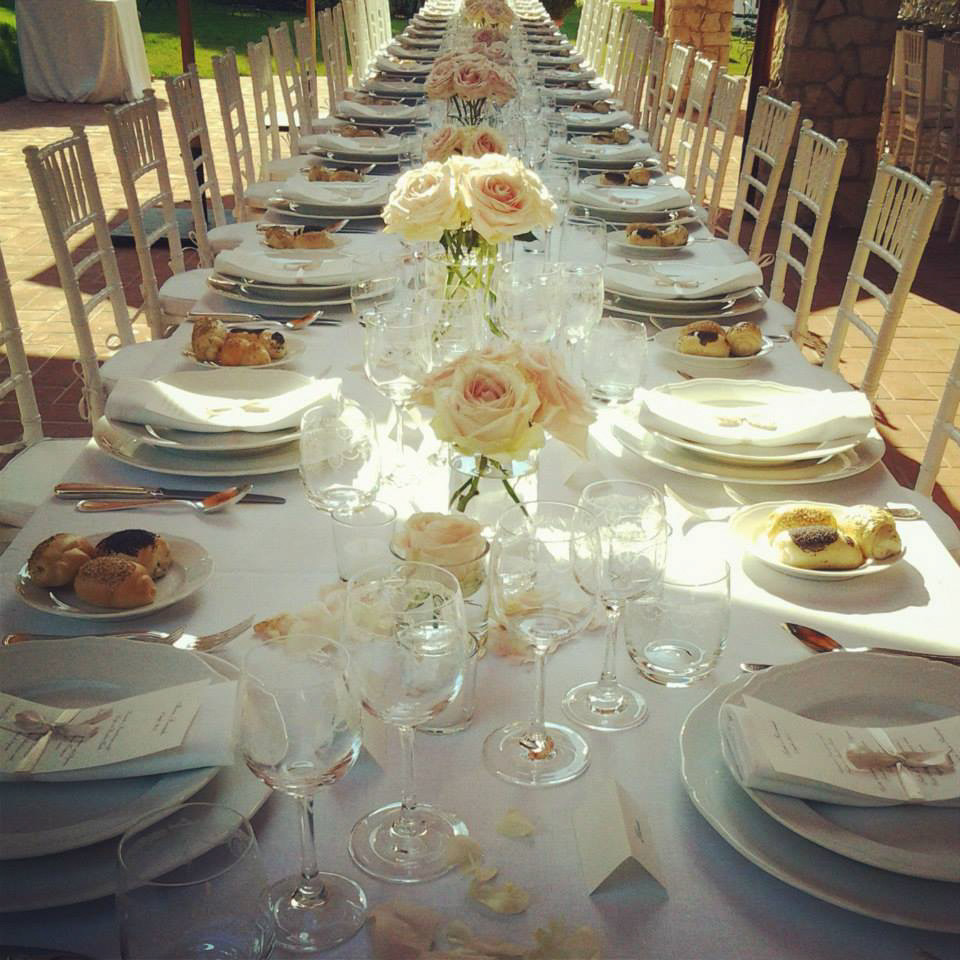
x: 703, y: 24
x: 833, y: 56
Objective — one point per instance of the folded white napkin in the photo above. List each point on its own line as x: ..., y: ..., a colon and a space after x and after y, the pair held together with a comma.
x: 293, y: 267
x: 342, y: 193
x: 710, y: 413
x: 373, y: 111
x: 682, y: 281
x: 209, y: 742
x: 818, y: 766
x: 388, y: 144
x: 596, y: 121
x: 569, y: 76
x: 392, y: 66
x: 625, y: 152
x: 654, y: 196
x: 217, y: 401
x: 596, y: 92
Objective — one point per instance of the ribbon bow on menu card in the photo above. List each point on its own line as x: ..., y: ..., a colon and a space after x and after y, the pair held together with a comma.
x: 907, y: 763
x: 65, y: 726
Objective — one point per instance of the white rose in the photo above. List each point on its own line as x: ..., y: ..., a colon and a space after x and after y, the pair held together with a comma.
x: 424, y: 203
x: 441, y: 538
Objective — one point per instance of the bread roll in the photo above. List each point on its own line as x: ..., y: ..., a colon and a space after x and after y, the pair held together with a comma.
x: 874, y: 530
x: 704, y: 338
x: 645, y: 235
x: 818, y: 548
x: 207, y: 338
x: 116, y: 582
x: 786, y: 518
x: 243, y: 350
x: 314, y: 240
x: 639, y: 176
x: 55, y: 561
x: 745, y: 339
x: 275, y: 343
x: 150, y: 550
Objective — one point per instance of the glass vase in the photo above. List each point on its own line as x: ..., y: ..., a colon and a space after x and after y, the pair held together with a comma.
x: 483, y: 486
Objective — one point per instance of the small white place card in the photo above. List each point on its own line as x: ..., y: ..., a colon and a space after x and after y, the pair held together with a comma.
x: 615, y: 840
x: 37, y: 738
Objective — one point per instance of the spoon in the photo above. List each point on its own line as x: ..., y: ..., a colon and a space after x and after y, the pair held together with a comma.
x: 212, y: 504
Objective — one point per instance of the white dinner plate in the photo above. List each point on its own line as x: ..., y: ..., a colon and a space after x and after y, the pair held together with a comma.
x: 122, y: 444
x: 862, y: 457
x: 233, y: 441
x: 301, y: 214
x: 666, y: 340
x: 868, y: 690
x: 578, y: 120
x: 190, y: 569
x: 680, y: 313
x: 43, y: 817
x: 749, y: 527
x: 295, y: 347
x: 88, y: 873
x: 908, y: 901
x: 381, y: 148
x: 752, y: 455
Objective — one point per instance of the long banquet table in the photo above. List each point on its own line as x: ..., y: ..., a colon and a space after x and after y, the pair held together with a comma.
x: 719, y: 905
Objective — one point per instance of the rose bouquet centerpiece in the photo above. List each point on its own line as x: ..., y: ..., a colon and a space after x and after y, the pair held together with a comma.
x: 467, y: 82
x: 468, y: 206
x: 462, y: 142
x: 489, y: 13
x: 489, y: 35
x: 495, y: 407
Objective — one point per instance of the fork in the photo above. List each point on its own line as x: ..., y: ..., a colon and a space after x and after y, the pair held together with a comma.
x: 175, y: 638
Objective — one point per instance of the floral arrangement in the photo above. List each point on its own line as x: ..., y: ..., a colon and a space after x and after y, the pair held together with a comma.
x: 489, y: 13
x: 497, y: 52
x: 462, y: 142
x: 489, y: 35
x: 451, y: 541
x: 500, y: 402
x: 468, y: 81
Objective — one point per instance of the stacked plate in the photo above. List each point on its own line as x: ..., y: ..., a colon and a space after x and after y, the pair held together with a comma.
x: 753, y: 431
x: 384, y: 148
x: 59, y: 839
x: 606, y: 156
x: 590, y: 120
x: 392, y: 66
x: 658, y: 203
x: 316, y: 200
x: 901, y: 863
x: 672, y: 292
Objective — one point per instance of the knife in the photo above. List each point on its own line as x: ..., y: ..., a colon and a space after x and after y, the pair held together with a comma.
x: 821, y: 643
x: 81, y: 491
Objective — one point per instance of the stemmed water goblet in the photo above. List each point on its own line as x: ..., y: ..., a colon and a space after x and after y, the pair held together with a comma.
x: 582, y: 285
x: 633, y: 544
x: 299, y: 730
x: 582, y: 239
x: 542, y: 553
x: 397, y: 355
x: 407, y: 630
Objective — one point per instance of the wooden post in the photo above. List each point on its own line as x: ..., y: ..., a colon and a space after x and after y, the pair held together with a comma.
x: 312, y: 18
x: 659, y: 15
x: 187, y: 53
x: 762, y: 59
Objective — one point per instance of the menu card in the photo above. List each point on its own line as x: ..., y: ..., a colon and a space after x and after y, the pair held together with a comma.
x: 773, y: 749
x: 37, y: 738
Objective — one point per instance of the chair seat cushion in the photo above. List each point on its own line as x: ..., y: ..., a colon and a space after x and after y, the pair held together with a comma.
x: 27, y: 480
x: 182, y: 291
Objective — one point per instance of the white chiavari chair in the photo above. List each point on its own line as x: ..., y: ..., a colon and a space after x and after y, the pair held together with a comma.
x: 703, y: 79
x: 270, y: 149
x: 717, y: 143
x: 896, y: 227
x: 890, y: 114
x: 381, y: 28
x: 368, y: 39
x: 69, y: 197
x: 291, y: 87
x: 614, y: 45
x: 190, y: 123
x: 812, y: 190
x: 307, y: 63
x: 764, y: 160
x: 656, y: 64
x: 674, y: 83
x: 26, y: 480
x: 944, y: 154
x: 914, y: 117
x: 356, y: 40
x: 585, y: 27
x: 636, y: 78
x: 944, y: 429
x: 142, y: 163
x: 598, y: 39
x: 340, y: 48
x: 331, y: 41
x: 624, y: 59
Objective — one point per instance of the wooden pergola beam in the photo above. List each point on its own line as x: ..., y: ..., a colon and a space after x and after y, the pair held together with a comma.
x: 185, y: 20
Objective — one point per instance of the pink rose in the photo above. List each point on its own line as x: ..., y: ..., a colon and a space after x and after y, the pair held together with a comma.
x: 488, y: 35
x: 472, y: 77
x: 443, y: 144
x: 439, y: 85
x: 481, y: 141
x: 503, y: 85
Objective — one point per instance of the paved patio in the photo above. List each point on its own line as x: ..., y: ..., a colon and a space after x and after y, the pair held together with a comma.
x: 910, y: 388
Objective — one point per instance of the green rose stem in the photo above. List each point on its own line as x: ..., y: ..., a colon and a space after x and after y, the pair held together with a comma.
x: 471, y: 487
x: 457, y: 244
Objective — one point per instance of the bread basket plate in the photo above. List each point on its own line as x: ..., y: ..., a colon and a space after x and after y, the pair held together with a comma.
x: 666, y: 340
x: 617, y: 240
x: 190, y: 569
x: 295, y: 347
x: 749, y: 528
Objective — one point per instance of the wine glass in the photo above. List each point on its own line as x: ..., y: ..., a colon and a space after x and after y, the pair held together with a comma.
x: 457, y: 322
x: 583, y: 240
x: 633, y: 540
x: 541, y: 555
x: 407, y: 630
x: 299, y: 729
x: 559, y: 175
x: 397, y: 355
x: 582, y: 286
x: 339, y: 458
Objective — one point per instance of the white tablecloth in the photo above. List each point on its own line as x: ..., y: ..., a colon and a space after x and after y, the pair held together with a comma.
x: 82, y: 51
x: 720, y: 906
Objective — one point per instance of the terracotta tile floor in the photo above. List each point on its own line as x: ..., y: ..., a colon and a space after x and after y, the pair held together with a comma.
x: 929, y: 333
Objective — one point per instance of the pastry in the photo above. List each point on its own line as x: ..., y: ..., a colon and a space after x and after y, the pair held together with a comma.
x: 313, y: 240
x: 207, y: 338
x: 243, y: 350
x: 598, y: 106
x: 874, y: 529
x: 637, y: 177
x: 284, y: 238
x: 704, y: 338
x: 55, y: 561
x: 116, y: 582
x: 818, y: 548
x: 150, y: 550
x: 785, y: 518
x: 352, y: 131
x: 620, y: 135
x: 645, y: 235
x: 321, y: 174
x: 275, y: 342
x: 745, y: 339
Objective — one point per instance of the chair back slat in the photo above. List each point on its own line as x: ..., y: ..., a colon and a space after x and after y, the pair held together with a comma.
x: 656, y: 65
x: 291, y: 87
x: 703, y: 79
x: 944, y: 430
x: 307, y: 61
x: 264, y: 106
x: 717, y: 144
x: 233, y: 114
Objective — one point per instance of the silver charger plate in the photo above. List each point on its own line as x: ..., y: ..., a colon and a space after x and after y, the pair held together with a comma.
x: 190, y: 569
x: 908, y: 901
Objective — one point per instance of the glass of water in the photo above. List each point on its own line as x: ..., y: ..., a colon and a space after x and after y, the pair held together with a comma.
x: 678, y: 638
x: 583, y: 240
x: 613, y: 360
x: 582, y: 300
